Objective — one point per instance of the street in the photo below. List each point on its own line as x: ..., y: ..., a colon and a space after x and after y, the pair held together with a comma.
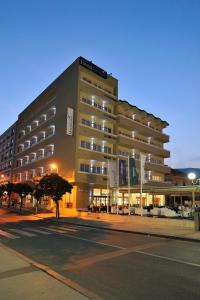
x: 112, y: 265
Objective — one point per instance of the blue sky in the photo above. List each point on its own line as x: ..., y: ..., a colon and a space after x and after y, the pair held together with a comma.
x: 152, y: 47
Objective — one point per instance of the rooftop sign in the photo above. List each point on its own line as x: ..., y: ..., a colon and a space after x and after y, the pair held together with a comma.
x: 89, y: 65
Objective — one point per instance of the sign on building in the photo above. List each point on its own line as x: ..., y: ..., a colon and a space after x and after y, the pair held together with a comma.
x: 92, y: 67
x: 70, y: 120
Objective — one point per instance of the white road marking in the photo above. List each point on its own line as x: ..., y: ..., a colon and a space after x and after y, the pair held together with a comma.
x: 65, y: 228
x: 79, y: 238
x: 59, y: 230
x: 8, y: 235
x: 22, y: 232
x: 169, y: 259
x: 84, y: 228
x: 94, y: 242
x: 37, y: 230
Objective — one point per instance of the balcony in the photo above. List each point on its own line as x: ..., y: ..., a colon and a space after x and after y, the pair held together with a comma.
x: 40, y: 124
x: 142, y: 146
x: 97, y: 86
x: 135, y: 125
x: 86, y: 129
x: 98, y: 107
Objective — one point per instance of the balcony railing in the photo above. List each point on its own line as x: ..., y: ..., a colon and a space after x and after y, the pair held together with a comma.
x: 97, y: 106
x: 97, y: 127
x: 36, y: 143
x: 39, y: 157
x: 98, y: 86
x: 140, y: 140
x: 36, y: 127
x: 143, y: 124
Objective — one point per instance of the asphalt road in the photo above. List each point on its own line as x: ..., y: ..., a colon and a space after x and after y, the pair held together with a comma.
x: 113, y: 265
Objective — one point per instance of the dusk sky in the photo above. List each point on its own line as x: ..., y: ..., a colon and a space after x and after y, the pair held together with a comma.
x: 152, y: 47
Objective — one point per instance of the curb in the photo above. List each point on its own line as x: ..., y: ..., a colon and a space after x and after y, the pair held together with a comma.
x: 172, y: 237
x: 57, y: 276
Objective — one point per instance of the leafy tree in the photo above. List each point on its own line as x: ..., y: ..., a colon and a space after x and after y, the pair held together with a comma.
x: 2, y: 190
x: 9, y: 187
x: 38, y: 194
x: 23, y: 189
x: 55, y: 186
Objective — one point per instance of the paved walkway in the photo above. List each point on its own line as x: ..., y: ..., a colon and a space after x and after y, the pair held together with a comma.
x: 175, y: 228
x: 20, y: 279
x: 181, y: 229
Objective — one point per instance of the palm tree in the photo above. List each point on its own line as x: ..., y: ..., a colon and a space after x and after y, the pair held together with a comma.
x: 55, y: 186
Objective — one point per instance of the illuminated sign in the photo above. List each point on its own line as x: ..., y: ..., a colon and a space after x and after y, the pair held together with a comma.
x: 70, y: 119
x: 90, y: 66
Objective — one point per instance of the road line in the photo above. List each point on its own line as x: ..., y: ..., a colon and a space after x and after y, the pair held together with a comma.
x: 56, y: 230
x: 85, y: 227
x: 77, y: 228
x: 37, y: 230
x: 22, y: 232
x: 63, y: 228
x: 83, y: 239
x: 169, y: 259
x: 102, y: 257
x: 94, y: 242
x: 8, y: 235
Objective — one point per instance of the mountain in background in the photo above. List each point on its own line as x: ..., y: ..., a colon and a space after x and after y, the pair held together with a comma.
x: 190, y: 170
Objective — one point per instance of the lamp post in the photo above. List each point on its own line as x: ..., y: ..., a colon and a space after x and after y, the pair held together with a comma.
x: 192, y: 177
x: 54, y: 167
x: 2, y: 176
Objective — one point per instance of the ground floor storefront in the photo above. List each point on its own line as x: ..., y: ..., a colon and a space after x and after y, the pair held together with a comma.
x: 152, y: 200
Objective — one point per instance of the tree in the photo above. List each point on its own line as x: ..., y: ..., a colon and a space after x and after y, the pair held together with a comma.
x: 2, y: 190
x: 9, y: 188
x: 23, y: 189
x: 55, y: 186
x: 38, y: 194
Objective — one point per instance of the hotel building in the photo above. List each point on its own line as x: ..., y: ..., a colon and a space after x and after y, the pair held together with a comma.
x: 76, y: 125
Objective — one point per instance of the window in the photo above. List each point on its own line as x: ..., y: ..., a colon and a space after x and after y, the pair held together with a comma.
x: 107, y: 129
x: 107, y: 150
x: 98, y: 170
x: 87, y: 145
x: 83, y: 144
x: 84, y: 168
x: 93, y: 169
x: 94, y: 147
x: 104, y: 170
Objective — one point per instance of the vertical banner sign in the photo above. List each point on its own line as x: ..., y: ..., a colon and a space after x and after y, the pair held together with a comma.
x: 142, y: 172
x: 132, y: 172
x: 122, y: 172
x: 112, y: 173
x: 70, y: 117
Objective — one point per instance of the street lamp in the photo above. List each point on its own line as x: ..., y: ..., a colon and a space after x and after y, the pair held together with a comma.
x: 2, y: 177
x: 54, y: 167
x: 192, y: 176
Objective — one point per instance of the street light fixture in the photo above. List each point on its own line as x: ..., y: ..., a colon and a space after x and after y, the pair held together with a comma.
x: 192, y: 176
x: 54, y: 167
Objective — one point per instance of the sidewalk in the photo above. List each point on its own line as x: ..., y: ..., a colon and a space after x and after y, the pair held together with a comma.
x: 163, y: 227
x: 182, y: 229
x: 20, y: 279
